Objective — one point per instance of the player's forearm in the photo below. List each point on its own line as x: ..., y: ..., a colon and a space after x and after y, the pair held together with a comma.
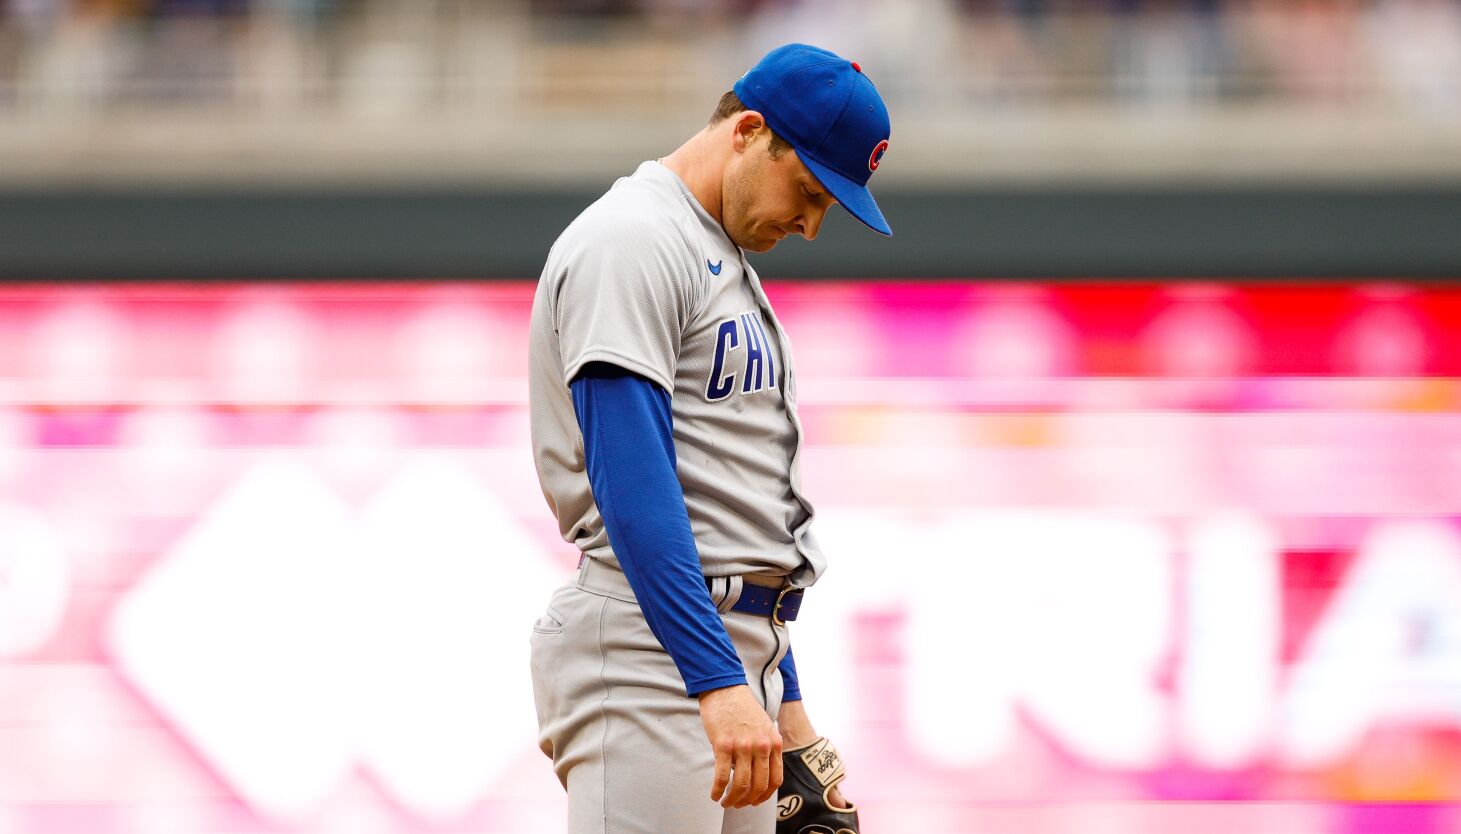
x: 626, y: 426
x: 796, y: 728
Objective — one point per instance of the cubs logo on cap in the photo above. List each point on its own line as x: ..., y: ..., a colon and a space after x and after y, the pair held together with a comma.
x: 830, y: 112
x: 877, y: 158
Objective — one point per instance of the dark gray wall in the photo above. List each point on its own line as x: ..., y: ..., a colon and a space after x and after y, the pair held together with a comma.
x: 422, y: 233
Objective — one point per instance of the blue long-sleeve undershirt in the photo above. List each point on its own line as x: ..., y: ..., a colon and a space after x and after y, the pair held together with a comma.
x: 630, y: 452
x: 791, y: 687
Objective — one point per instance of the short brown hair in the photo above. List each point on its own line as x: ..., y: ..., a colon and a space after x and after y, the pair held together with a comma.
x: 731, y: 104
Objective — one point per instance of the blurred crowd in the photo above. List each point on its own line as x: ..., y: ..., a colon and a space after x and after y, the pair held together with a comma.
x: 942, y: 53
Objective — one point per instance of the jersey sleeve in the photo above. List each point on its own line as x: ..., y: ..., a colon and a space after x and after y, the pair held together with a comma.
x: 626, y: 292
x: 627, y: 441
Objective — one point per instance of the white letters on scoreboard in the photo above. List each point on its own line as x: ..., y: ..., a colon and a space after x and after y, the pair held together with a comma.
x: 1068, y: 619
x: 1389, y: 644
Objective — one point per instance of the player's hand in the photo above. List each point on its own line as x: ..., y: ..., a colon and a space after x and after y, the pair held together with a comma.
x: 797, y: 731
x: 747, y: 747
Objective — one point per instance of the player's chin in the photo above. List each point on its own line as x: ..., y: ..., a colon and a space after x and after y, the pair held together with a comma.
x: 768, y: 242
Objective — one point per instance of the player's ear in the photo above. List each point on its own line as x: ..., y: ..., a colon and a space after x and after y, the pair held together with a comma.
x: 748, y: 126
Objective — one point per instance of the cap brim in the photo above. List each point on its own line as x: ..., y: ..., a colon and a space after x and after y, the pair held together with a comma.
x: 854, y: 197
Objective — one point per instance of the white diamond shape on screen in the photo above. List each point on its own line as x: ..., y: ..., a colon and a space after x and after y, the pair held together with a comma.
x: 453, y: 586
x: 231, y: 637
x: 290, y: 640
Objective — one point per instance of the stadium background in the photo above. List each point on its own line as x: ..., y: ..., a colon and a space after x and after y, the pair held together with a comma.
x: 1136, y: 450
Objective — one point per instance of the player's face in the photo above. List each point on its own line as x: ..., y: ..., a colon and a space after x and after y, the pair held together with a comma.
x: 768, y: 198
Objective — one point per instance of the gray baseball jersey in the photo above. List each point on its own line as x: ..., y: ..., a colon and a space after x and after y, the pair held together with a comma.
x: 646, y: 279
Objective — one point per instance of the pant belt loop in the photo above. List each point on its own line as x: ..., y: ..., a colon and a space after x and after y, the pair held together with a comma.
x: 733, y: 588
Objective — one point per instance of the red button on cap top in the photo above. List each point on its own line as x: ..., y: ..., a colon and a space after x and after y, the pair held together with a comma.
x: 855, y: 67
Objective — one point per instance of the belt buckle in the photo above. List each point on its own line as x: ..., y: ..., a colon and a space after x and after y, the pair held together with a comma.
x: 776, y: 608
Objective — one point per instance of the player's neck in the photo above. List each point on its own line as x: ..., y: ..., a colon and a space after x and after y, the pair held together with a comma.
x: 700, y: 168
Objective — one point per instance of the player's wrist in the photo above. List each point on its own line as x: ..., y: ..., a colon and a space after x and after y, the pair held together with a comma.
x: 796, y: 728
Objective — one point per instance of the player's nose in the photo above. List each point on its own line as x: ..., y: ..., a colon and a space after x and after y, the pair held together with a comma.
x: 810, y: 223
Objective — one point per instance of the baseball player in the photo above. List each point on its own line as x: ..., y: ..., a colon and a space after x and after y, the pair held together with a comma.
x: 666, y: 440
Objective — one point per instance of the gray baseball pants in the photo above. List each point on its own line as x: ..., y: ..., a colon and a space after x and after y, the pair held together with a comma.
x: 625, y: 741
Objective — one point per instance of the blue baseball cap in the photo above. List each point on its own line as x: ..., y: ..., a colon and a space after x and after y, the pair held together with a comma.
x: 831, y: 113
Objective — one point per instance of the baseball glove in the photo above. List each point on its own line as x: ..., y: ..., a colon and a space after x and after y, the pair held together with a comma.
x: 808, y: 774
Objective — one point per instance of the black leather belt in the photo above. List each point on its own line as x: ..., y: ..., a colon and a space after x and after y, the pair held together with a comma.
x: 780, y: 604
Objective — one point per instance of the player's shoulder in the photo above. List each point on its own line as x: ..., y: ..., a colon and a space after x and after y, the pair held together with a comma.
x: 637, y: 214
x: 641, y: 230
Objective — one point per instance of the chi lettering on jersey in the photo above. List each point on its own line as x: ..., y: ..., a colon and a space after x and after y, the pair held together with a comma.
x: 743, y: 358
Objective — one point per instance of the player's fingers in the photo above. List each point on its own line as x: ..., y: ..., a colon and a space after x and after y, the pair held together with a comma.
x: 740, y: 782
x: 722, y: 773
x: 774, y: 783
x: 773, y: 769
x: 760, y: 773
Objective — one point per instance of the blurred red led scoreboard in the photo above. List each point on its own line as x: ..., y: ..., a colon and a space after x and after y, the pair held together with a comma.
x: 1188, y: 553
